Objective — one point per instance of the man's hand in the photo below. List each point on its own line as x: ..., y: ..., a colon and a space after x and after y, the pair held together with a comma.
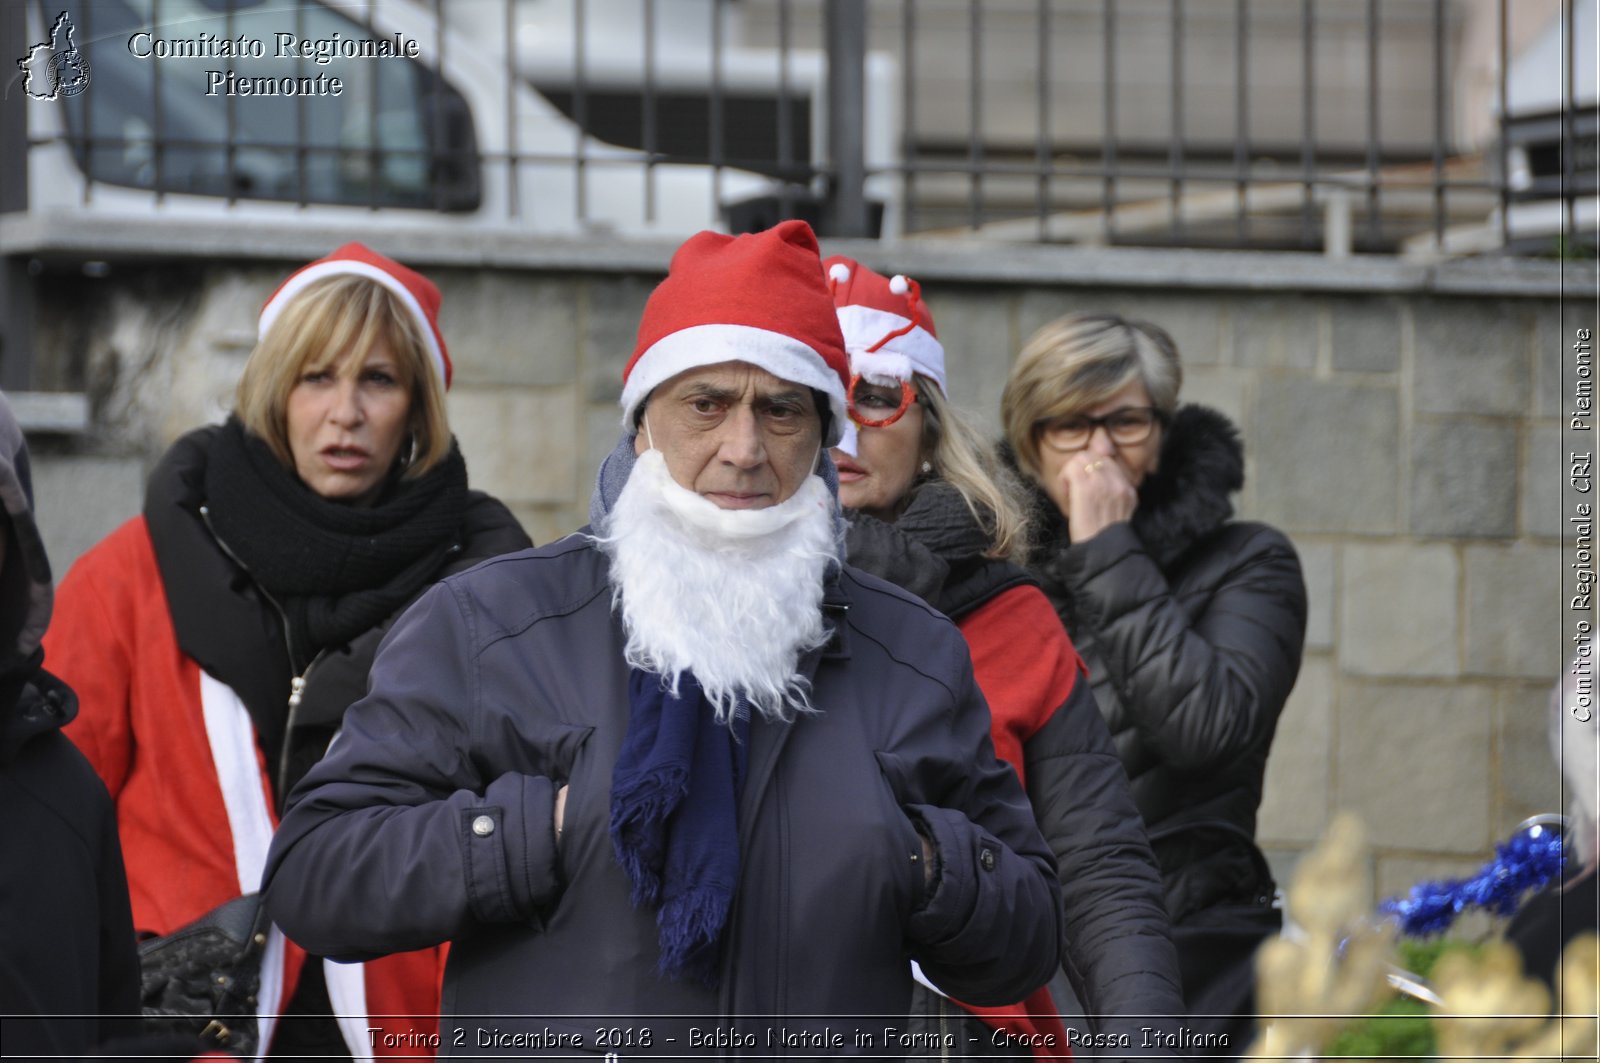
x: 1099, y: 494
x: 561, y: 813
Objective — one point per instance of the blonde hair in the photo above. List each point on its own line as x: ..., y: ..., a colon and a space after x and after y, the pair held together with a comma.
x: 330, y: 317
x: 1078, y: 361
x: 963, y: 458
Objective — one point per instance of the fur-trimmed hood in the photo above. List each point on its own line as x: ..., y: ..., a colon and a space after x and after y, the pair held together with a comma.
x: 1202, y: 465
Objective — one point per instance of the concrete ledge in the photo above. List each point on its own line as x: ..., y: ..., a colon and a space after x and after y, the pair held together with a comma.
x: 73, y: 236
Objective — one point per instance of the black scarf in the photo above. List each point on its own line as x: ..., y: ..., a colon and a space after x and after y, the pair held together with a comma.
x: 335, y: 569
x: 934, y: 549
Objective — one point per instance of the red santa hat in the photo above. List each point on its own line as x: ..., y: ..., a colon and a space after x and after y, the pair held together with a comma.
x: 416, y: 293
x: 887, y: 328
x: 759, y: 298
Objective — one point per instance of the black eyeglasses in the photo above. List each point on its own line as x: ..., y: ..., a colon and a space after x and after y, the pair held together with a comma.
x: 1127, y: 427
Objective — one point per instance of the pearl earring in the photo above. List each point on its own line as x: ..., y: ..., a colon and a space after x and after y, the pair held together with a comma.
x: 927, y: 467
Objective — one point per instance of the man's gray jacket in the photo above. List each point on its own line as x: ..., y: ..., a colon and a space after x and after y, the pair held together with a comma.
x: 431, y: 819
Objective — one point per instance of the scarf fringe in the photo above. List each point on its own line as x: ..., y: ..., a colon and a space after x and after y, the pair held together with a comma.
x: 650, y: 797
x: 691, y: 924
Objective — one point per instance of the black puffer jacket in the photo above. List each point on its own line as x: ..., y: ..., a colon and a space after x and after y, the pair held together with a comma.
x: 1117, y: 945
x: 1192, y: 627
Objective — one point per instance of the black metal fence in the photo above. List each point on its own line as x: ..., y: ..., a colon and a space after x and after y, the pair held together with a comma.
x: 1414, y: 149
x: 1432, y: 126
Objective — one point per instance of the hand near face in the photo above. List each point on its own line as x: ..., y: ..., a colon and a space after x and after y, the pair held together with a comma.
x: 1099, y: 494
x: 1096, y: 482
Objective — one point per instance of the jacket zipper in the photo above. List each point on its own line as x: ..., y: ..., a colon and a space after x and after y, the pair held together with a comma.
x: 297, y: 683
x: 297, y: 689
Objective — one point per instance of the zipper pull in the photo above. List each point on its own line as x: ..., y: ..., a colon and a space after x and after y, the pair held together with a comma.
x: 297, y: 688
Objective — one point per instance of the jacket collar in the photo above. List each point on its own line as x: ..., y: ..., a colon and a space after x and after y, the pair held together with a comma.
x: 836, y: 609
x: 38, y: 704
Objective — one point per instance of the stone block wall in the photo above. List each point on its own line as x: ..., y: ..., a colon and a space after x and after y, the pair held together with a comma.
x: 1413, y: 446
x: 1407, y: 427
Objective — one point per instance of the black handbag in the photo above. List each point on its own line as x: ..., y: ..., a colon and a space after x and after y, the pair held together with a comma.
x: 202, y: 979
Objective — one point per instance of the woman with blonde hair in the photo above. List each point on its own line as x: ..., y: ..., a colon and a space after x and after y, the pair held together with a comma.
x: 931, y: 510
x: 216, y: 640
x: 1191, y: 624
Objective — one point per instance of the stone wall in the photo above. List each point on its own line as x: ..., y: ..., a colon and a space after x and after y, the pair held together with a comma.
x: 1404, y: 424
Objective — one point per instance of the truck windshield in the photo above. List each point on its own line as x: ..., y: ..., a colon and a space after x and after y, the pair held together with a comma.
x: 252, y: 99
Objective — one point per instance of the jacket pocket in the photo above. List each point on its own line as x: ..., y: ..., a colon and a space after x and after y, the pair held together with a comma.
x: 905, y: 843
x: 577, y: 774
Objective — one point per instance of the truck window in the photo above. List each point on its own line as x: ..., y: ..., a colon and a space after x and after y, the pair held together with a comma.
x: 750, y: 125
x: 172, y: 107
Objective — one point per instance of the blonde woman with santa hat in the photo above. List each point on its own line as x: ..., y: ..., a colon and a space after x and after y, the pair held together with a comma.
x: 216, y: 640
x: 932, y: 510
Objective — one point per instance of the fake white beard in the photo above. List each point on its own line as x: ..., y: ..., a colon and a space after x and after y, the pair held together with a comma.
x: 732, y: 595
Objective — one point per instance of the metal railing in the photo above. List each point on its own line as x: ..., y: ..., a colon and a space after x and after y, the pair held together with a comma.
x: 1375, y: 172
x: 1330, y: 125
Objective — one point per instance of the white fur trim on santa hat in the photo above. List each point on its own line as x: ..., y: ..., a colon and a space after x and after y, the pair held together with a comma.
x: 342, y: 267
x: 885, y: 368
x: 702, y: 345
x: 917, y: 351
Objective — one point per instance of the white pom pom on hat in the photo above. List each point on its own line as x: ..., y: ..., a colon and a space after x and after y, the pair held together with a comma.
x: 887, y: 327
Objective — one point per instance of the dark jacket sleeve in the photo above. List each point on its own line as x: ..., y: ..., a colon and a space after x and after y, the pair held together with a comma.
x: 989, y: 932
x: 1204, y: 691
x: 393, y: 840
x: 1118, y: 948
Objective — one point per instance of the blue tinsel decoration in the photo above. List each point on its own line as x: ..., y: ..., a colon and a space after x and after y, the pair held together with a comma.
x: 1529, y: 861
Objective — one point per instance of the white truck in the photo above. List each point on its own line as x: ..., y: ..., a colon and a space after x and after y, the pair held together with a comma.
x: 325, y: 113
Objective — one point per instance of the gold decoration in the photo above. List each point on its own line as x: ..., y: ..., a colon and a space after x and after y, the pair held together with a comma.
x: 1490, y: 1009
x: 1309, y: 988
x: 1305, y: 984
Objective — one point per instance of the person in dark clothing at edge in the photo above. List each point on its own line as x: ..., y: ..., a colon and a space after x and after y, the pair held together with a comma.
x: 1192, y: 625
x: 931, y: 511
x: 216, y: 640
x: 687, y: 774
x: 1544, y: 928
x: 67, y: 962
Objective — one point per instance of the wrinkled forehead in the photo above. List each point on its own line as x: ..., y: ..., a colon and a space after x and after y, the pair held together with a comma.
x: 736, y: 381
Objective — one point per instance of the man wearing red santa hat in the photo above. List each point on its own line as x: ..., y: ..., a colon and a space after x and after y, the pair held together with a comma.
x: 686, y: 772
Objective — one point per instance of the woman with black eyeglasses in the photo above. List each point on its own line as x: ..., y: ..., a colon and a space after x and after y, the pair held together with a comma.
x: 1192, y: 624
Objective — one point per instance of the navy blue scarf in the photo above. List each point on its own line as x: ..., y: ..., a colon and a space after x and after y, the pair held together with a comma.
x: 675, y: 786
x: 674, y: 817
